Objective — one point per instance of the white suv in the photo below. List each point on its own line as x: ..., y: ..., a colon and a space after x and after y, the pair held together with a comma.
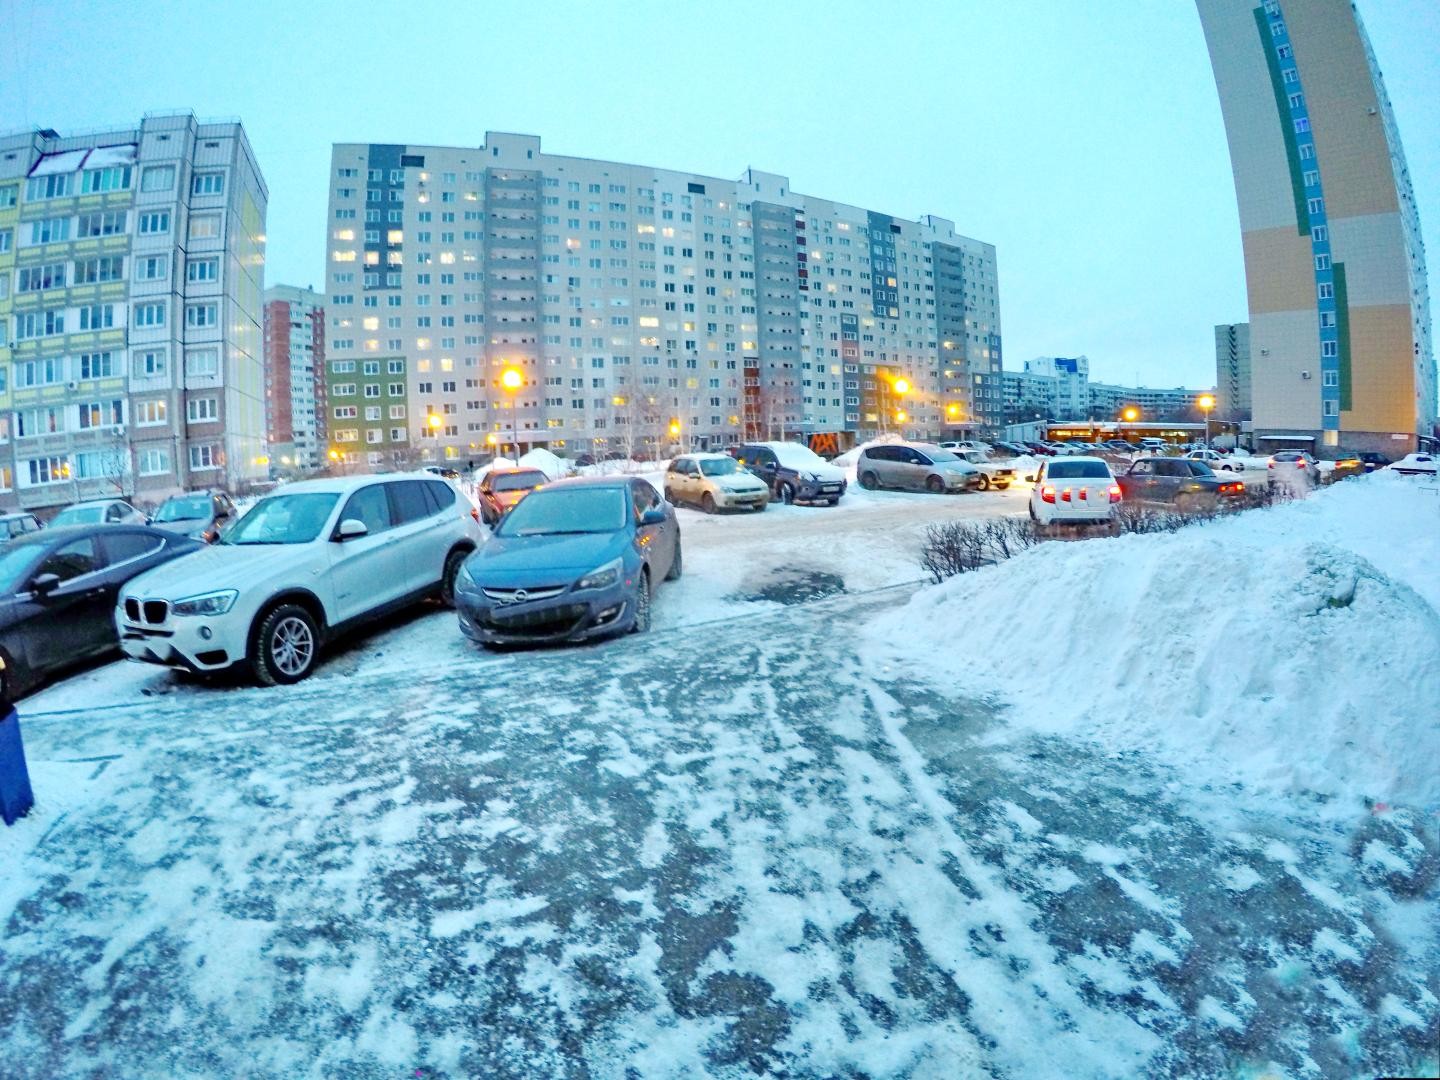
x: 304, y: 564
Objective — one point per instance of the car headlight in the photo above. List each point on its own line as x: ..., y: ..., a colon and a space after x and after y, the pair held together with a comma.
x: 464, y: 580
x: 212, y: 603
x: 602, y: 577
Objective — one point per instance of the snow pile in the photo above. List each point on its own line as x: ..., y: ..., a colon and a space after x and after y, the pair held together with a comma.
x: 545, y: 461
x: 1294, y: 648
x: 848, y: 459
x: 497, y: 463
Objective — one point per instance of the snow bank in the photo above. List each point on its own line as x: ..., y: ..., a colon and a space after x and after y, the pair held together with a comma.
x: 545, y: 461
x: 1294, y: 648
x: 848, y: 459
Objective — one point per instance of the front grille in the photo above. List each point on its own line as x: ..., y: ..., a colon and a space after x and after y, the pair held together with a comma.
x: 146, y: 611
x: 523, y: 596
x: 549, y: 621
x: 132, y: 609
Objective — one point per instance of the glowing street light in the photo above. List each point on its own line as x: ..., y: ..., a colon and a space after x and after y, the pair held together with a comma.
x: 1131, y: 414
x: 902, y: 386
x: 434, y: 422
x: 1206, y: 402
x: 512, y: 380
x: 900, y: 416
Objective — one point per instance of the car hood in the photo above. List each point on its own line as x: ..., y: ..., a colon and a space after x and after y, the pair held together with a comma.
x: 738, y: 483
x: 510, y: 560
x: 219, y: 567
x: 964, y: 468
x: 509, y: 498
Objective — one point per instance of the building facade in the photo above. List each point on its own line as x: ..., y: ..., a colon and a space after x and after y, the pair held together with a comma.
x: 1334, y: 264
x: 1232, y: 371
x: 1059, y: 388
x: 295, y: 414
x: 635, y: 308
x: 131, y: 264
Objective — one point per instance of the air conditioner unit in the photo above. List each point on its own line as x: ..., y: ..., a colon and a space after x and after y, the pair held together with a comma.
x: 118, y: 430
x: 72, y: 385
x: 1304, y: 374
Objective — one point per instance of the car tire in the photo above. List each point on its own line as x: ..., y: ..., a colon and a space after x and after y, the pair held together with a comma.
x: 453, y: 562
x: 707, y: 503
x: 984, y: 484
x: 1033, y: 516
x: 285, y: 646
x: 787, y: 493
x: 934, y: 485
x: 678, y: 566
x: 868, y: 481
x: 641, y: 625
x: 1001, y: 487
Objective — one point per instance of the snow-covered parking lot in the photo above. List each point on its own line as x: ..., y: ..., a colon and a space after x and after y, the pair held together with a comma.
x: 791, y: 831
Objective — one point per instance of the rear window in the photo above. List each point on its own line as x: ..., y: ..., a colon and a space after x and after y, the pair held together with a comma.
x: 1078, y: 470
x: 521, y: 481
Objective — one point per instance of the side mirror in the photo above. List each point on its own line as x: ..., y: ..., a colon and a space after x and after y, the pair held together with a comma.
x: 45, y: 584
x: 149, y: 520
x: 653, y: 516
x: 350, y: 528
x: 1030, y: 479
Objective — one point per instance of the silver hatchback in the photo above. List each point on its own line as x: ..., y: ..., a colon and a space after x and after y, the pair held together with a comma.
x: 915, y: 467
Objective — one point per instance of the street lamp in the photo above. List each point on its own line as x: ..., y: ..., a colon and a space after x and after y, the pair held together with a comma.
x: 1131, y: 414
x: 1206, y: 402
x: 512, y: 380
x: 902, y: 386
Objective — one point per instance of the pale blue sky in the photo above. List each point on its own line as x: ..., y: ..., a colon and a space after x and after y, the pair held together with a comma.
x: 1083, y: 139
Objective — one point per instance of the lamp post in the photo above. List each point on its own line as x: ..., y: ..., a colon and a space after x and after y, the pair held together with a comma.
x: 511, y: 380
x: 1206, y: 402
x: 433, y: 423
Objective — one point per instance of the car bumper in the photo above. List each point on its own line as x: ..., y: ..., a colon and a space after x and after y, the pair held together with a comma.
x: 567, y: 617
x: 810, y: 491
x: 733, y: 499
x: 179, y: 642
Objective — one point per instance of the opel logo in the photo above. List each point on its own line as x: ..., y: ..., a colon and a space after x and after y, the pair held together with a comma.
x: 519, y: 596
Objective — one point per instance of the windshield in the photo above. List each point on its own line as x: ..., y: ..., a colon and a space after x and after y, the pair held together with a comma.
x: 566, y: 510
x: 15, y: 564
x: 795, y: 456
x: 283, y: 519
x: 1078, y: 470
x: 522, y: 481
x: 940, y: 455
x: 186, y: 508
x: 719, y: 466
x: 79, y: 515
x: 1199, y: 468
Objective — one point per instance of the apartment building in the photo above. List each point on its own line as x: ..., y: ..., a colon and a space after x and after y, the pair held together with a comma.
x: 295, y: 421
x: 131, y: 264
x: 1340, y: 335
x: 1059, y: 388
x: 1232, y: 371
x: 635, y: 307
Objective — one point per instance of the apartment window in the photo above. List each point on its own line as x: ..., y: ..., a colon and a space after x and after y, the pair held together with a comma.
x: 397, y: 434
x: 35, y: 324
x: 98, y: 365
x: 154, y: 461
x: 54, y: 186
x: 97, y: 414
x: 204, y: 226
x: 372, y: 390
x: 1332, y: 407
x: 396, y: 389
x: 1326, y: 291
x: 4, y: 241
x: 155, y: 222
x: 201, y: 363
x: 202, y: 410
x: 1329, y: 348
x: 204, y: 457
x: 343, y: 389
x: 1322, y: 262
x: 158, y: 178
x: 102, y: 223
x: 48, y: 470
x: 115, y: 178
x: 397, y: 412
x: 202, y: 269
x: 97, y: 317
x: 1320, y: 234
x: 38, y: 278
x: 9, y: 196
x: 150, y: 413
x: 1315, y: 206
x: 96, y: 271
x: 1327, y: 320
x: 1329, y: 378
x: 32, y: 423
x: 374, y: 435
x: 50, y: 230
x: 44, y: 372
x: 207, y: 183
x: 1302, y: 124
x: 347, y: 435
x: 149, y: 363
x: 201, y: 316
x: 396, y: 367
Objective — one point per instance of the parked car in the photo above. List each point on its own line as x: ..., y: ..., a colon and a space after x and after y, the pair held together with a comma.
x: 304, y: 565
x: 1043, y: 449
x: 13, y: 525
x: 957, y: 445
x: 199, y: 515
x: 578, y: 559
x: 795, y: 473
x: 58, y: 590
x: 915, y: 467
x: 1012, y: 449
x: 1183, y: 483
x: 500, y: 489
x: 714, y: 482
x: 1074, y: 491
x: 443, y: 471
x: 99, y: 512
x: 1293, y: 468
x: 992, y: 474
x: 1421, y: 464
x: 1373, y: 460
x: 1216, y: 460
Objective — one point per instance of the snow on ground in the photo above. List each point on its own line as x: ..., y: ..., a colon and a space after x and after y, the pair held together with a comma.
x: 1292, y: 648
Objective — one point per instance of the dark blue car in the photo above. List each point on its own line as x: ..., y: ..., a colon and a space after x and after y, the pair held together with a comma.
x: 574, y: 560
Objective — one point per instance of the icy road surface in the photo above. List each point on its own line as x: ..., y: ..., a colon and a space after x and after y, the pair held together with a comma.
x: 727, y: 853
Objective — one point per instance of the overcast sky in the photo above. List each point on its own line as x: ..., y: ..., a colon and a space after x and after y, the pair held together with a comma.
x: 1083, y: 139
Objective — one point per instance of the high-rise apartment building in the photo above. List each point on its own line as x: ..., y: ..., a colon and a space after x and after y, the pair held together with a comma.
x: 295, y: 423
x: 1232, y: 371
x: 1335, y: 268
x: 635, y: 306
x: 131, y: 264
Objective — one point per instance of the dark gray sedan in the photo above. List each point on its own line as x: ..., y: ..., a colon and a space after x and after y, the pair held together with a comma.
x: 574, y: 560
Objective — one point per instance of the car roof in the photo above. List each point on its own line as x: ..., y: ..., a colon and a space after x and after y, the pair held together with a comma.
x: 703, y: 455
x: 342, y: 484
x: 94, y: 502
x: 511, y: 471
x: 1089, y: 457
x: 16, y: 514
x: 593, y: 481
x: 58, y: 534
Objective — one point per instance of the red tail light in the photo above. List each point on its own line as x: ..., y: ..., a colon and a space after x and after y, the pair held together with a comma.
x: 1047, y: 493
x: 1114, y: 492
x: 475, y: 513
x: 1084, y: 494
x: 1065, y: 495
x: 1270, y: 465
x: 1300, y: 464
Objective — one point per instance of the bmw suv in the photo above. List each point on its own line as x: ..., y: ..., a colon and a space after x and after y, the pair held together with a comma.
x: 302, y: 566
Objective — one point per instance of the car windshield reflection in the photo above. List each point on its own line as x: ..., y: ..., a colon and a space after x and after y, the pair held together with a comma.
x: 283, y: 519
x: 553, y: 511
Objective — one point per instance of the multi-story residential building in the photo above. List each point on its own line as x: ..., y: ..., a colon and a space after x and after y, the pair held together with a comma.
x: 633, y: 306
x: 1232, y: 371
x: 1108, y: 401
x: 295, y: 413
x: 1334, y: 263
x: 131, y: 263
x: 1059, y: 388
